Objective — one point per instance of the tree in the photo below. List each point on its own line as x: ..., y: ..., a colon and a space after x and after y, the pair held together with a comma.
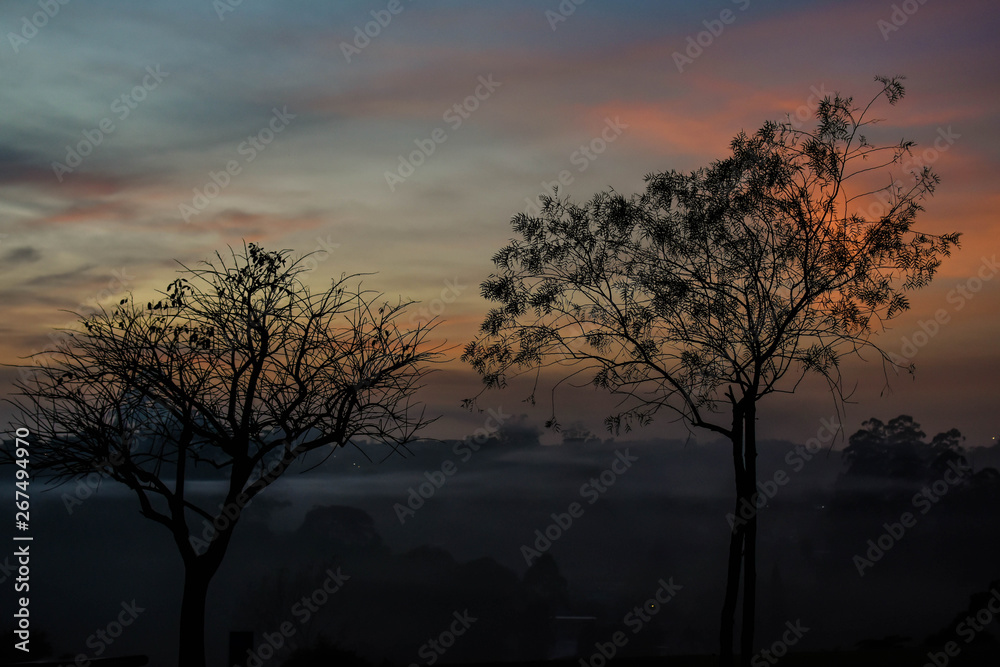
x: 240, y: 369
x: 886, y: 463
x: 897, y: 450
x: 715, y: 288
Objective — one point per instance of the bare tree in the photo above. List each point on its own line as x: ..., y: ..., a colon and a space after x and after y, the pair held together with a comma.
x: 713, y: 289
x: 239, y: 367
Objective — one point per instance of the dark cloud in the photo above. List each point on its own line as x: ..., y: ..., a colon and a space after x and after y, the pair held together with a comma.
x: 22, y: 255
x: 20, y: 166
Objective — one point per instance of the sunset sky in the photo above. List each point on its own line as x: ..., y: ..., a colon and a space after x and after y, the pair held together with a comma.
x: 205, y: 124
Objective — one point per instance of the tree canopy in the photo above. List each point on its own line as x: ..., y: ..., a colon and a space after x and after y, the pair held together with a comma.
x: 239, y: 367
x: 724, y: 278
x: 715, y: 288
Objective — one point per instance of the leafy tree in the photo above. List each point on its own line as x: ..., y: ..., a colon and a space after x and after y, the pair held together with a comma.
x: 887, y: 462
x: 897, y: 450
x: 239, y: 368
x: 715, y: 288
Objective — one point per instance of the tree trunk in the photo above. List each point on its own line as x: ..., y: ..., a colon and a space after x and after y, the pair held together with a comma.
x: 727, y: 629
x: 749, y: 539
x: 197, y: 575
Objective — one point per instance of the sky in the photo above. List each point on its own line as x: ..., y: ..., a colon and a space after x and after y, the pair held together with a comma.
x: 400, y: 139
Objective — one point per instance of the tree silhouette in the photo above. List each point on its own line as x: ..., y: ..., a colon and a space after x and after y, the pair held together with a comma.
x: 897, y: 450
x: 713, y: 289
x: 240, y: 369
x: 887, y: 462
